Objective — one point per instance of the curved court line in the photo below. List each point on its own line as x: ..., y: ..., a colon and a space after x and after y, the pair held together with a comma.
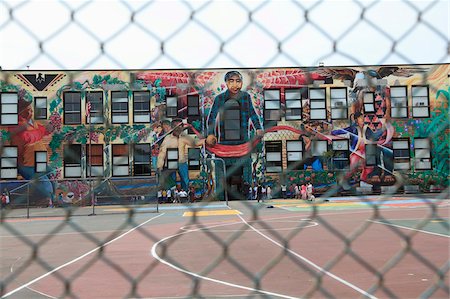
x: 311, y: 263
x: 77, y: 259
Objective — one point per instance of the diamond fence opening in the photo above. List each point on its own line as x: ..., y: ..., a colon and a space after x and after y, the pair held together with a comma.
x: 293, y: 181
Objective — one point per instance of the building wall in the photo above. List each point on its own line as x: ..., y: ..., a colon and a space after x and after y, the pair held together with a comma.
x: 307, y: 114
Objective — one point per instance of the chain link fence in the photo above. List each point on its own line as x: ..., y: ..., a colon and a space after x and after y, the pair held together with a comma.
x: 83, y: 35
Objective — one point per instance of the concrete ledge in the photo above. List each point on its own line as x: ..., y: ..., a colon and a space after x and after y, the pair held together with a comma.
x: 389, y: 189
x: 364, y: 190
x: 411, y: 189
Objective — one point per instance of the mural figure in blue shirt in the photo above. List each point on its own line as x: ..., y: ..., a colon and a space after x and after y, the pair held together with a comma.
x: 228, y: 120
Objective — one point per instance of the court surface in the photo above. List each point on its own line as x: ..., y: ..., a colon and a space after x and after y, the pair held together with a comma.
x: 276, y: 249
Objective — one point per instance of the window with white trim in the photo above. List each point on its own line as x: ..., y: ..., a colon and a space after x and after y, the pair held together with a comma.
x: 171, y: 106
x: 293, y: 98
x: 142, y: 159
x: 194, y: 159
x: 8, y: 162
x: 121, y: 160
x: 40, y: 108
x: 294, y: 151
x: 401, y: 154
x: 420, y: 101
x: 274, y: 162
x: 339, y: 103
x: 341, y: 155
x: 72, y: 107
x: 272, y: 105
x: 40, y: 161
x: 119, y: 107
x: 369, y: 102
x: 172, y: 158
x: 96, y: 111
x: 317, y: 103
x: 141, y: 106
x: 422, y: 154
x: 72, y: 160
x: 399, y: 102
x: 9, y: 108
x: 94, y: 160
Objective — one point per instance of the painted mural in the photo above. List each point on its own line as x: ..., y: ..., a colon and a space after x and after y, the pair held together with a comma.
x: 352, y: 127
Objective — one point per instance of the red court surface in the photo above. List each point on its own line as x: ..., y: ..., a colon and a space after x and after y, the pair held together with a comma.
x: 255, y: 252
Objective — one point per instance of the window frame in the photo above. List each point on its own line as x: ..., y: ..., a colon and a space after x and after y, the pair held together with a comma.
x: 294, y: 164
x: 397, y: 160
x: 274, y: 163
x: 71, y: 113
x: 346, y: 153
x: 345, y: 103
x: 394, y: 104
x: 72, y: 165
x: 37, y: 109
x: 367, y: 101
x: 196, y: 107
x: 317, y: 100
x: 125, y: 163
x: 272, y: 99
x: 15, y: 159
x: 120, y: 112
x: 2, y: 105
x: 413, y: 98
x: 89, y: 156
x: 147, y: 154
x: 141, y: 112
x: 171, y: 111
x: 172, y: 160
x: 374, y: 154
x: 96, y: 108
x: 428, y: 149
x: 288, y: 113
x: 38, y: 163
x: 191, y: 164
x: 232, y: 124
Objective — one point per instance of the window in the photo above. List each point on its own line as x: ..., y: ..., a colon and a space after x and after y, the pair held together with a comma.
x: 171, y: 106
x: 420, y: 101
x: 339, y: 103
x: 194, y: 159
x: 369, y: 100
x: 272, y: 105
x: 317, y: 104
x: 294, y: 151
x: 72, y: 161
x: 40, y: 108
x: 341, y: 157
x: 141, y: 107
x: 172, y: 158
x: 119, y: 112
x: 399, y: 102
x: 232, y: 120
x: 96, y: 110
x: 9, y: 162
x: 94, y: 160
x: 372, y: 159
x: 40, y: 162
x: 273, y: 156
x: 141, y: 159
x: 72, y: 107
x: 293, y: 99
x: 422, y: 153
x: 319, y: 147
x: 193, y: 105
x: 401, y: 154
x: 120, y: 160
x: 9, y: 109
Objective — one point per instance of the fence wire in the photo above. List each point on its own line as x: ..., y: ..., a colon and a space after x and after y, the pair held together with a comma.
x: 205, y: 34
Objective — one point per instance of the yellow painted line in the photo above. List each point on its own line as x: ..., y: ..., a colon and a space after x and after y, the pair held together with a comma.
x: 211, y: 213
x: 438, y: 221
x: 117, y: 210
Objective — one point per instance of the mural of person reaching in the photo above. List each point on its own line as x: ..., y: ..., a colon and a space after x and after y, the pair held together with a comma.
x: 27, y: 136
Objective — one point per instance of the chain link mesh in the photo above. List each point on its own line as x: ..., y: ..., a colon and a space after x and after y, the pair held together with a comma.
x: 68, y: 35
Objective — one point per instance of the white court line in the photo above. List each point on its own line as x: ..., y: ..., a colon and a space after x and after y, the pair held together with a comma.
x: 311, y: 263
x: 409, y: 228
x: 78, y: 258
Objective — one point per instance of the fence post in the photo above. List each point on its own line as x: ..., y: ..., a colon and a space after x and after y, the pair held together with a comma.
x: 28, y: 201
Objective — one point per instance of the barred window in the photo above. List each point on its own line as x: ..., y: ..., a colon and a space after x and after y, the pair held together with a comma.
x: 141, y: 107
x: 293, y: 99
x: 9, y: 162
x: 294, y: 151
x: 420, y: 101
x: 272, y: 105
x: 399, y: 102
x: 194, y: 159
x: 422, y: 154
x: 317, y: 98
x: 172, y: 158
x: 341, y: 157
x: 95, y: 98
x: 119, y: 107
x: 171, y: 106
x: 40, y: 108
x: 72, y: 107
x: 273, y: 156
x: 339, y: 103
x: 94, y: 160
x: 141, y: 159
x: 40, y: 161
x: 121, y: 160
x: 72, y: 161
x: 9, y: 108
x: 369, y: 102
x: 401, y: 154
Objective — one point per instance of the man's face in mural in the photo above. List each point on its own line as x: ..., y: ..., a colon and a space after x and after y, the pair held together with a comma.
x: 234, y: 84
